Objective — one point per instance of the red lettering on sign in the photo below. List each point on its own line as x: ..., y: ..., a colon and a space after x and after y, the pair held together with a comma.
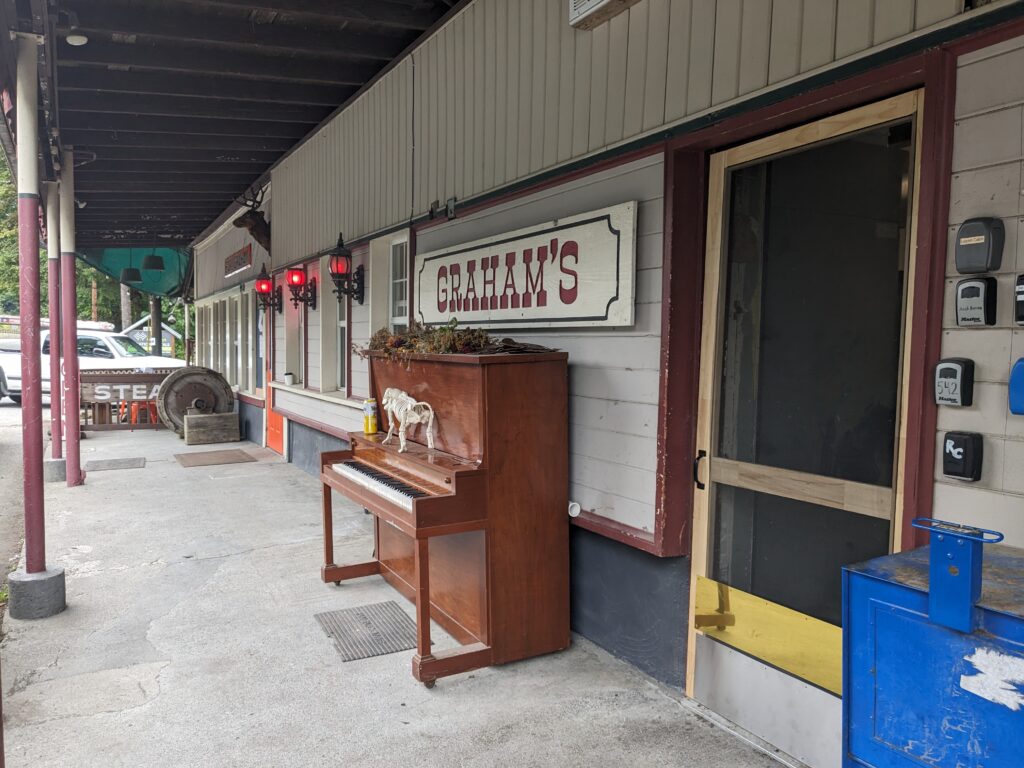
x: 455, y: 303
x: 489, y: 263
x: 471, y: 302
x: 570, y: 249
x: 442, y: 289
x: 510, y: 283
x: 535, y: 282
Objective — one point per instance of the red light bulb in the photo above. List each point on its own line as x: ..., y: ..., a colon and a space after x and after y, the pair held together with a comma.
x: 296, y: 277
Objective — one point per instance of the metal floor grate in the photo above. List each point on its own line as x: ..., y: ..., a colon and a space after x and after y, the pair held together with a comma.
x: 369, y: 630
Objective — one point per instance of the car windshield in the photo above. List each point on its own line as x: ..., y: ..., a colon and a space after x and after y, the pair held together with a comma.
x: 128, y: 347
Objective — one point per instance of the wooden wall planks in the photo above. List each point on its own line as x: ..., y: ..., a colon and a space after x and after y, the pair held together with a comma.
x: 507, y: 89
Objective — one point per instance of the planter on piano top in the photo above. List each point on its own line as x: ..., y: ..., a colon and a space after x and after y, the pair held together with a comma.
x: 476, y: 530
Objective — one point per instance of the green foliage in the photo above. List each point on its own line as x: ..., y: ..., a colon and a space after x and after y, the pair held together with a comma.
x: 108, y: 290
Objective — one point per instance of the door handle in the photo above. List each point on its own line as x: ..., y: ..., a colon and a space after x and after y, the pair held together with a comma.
x: 696, y: 470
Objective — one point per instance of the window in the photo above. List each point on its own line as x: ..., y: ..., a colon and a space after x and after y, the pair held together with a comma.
x: 398, y: 302
x: 128, y: 347
x: 90, y: 346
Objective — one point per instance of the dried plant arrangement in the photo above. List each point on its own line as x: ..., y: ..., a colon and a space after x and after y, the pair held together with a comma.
x: 446, y: 339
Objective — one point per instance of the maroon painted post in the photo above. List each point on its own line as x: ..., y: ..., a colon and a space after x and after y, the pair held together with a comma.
x: 53, y: 275
x: 69, y: 319
x: 28, y: 264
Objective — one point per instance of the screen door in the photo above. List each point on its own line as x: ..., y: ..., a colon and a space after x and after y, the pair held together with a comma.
x: 800, y: 396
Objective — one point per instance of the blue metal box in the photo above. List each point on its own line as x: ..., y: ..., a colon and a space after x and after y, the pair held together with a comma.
x: 917, y: 690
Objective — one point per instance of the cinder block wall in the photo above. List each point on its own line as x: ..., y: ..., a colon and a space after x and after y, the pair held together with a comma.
x: 988, y: 149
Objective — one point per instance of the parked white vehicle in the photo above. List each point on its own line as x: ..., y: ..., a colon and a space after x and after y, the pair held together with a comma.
x: 101, y: 350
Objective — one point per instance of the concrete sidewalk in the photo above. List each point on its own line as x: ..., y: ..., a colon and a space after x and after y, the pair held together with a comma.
x: 189, y: 640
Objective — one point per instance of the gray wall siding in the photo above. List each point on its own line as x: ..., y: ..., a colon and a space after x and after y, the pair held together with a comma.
x: 988, y: 149
x: 324, y: 410
x: 613, y: 385
x: 210, y: 255
x: 508, y: 89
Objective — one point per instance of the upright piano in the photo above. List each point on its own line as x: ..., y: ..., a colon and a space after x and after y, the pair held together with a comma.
x: 475, y: 531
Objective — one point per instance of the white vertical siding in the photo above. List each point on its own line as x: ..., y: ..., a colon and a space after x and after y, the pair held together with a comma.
x: 988, y: 152
x: 508, y: 89
x: 614, y: 373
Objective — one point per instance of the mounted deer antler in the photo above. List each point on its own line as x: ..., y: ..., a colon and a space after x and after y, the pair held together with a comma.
x: 253, y: 219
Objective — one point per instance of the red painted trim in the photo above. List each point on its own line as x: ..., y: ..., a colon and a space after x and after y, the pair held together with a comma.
x: 312, y: 423
x: 929, y: 280
x: 249, y: 400
x: 305, y: 335
x: 411, y: 259
x: 935, y: 71
x: 681, y: 315
x: 600, y: 165
x: 903, y: 75
x: 626, y: 534
x: 987, y: 37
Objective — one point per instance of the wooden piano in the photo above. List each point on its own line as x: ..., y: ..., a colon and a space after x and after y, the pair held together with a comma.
x: 475, y: 532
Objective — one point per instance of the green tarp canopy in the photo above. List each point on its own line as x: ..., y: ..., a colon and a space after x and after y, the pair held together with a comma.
x: 170, y: 282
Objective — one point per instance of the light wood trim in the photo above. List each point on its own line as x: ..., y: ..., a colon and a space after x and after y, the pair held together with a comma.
x: 859, y: 119
x: 900, y: 480
x: 887, y: 110
x: 861, y: 498
x: 705, y: 403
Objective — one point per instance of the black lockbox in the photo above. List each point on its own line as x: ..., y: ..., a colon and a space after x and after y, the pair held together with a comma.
x: 979, y: 246
x: 954, y: 382
x: 962, y: 454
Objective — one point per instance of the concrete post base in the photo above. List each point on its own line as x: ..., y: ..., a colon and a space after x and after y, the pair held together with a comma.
x: 36, y: 595
x: 55, y: 470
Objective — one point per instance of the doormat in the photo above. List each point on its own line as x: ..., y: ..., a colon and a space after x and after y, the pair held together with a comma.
x: 209, y: 458
x: 369, y: 630
x: 98, y: 465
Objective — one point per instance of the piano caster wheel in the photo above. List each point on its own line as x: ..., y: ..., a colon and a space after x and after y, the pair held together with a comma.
x: 337, y: 583
x: 429, y: 684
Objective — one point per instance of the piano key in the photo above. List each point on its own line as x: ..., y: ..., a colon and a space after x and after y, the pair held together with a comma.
x: 382, y: 484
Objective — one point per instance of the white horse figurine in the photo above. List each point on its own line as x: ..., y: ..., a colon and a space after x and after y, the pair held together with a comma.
x: 406, y: 411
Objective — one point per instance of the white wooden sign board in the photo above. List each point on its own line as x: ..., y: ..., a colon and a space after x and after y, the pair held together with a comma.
x: 578, y: 271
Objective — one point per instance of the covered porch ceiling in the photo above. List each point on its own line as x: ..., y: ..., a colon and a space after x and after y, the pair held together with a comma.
x: 175, y: 108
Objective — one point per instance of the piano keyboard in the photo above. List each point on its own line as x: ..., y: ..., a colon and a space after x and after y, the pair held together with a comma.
x: 381, y: 483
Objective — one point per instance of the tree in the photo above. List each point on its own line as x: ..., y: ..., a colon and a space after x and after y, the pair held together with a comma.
x: 108, y: 290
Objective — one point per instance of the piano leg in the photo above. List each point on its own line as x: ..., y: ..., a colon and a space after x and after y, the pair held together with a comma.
x: 328, y: 527
x: 422, y: 566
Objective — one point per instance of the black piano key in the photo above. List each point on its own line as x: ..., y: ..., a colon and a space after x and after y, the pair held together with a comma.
x: 385, y: 479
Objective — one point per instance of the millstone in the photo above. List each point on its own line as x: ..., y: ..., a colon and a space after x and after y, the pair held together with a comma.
x: 200, y: 389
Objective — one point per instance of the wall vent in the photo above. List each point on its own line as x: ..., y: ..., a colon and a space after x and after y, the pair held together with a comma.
x: 587, y: 14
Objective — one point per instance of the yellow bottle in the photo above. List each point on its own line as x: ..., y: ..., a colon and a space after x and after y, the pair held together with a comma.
x: 370, y: 416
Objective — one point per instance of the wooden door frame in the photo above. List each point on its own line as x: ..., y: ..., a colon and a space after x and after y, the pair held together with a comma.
x: 855, y: 497
x: 686, y: 181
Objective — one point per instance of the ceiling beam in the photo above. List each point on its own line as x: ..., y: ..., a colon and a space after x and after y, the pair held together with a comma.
x: 183, y: 126
x: 104, y: 206
x: 172, y: 169
x: 87, y: 184
x: 156, y: 197
x: 202, y: 86
x: 378, y: 12
x: 191, y: 25
x: 113, y: 138
x: 181, y: 58
x: 217, y: 181
x: 183, y: 106
x: 180, y: 155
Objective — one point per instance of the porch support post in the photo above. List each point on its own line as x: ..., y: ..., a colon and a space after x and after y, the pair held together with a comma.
x: 35, y: 592
x: 69, y: 317
x: 53, y: 275
x: 28, y: 267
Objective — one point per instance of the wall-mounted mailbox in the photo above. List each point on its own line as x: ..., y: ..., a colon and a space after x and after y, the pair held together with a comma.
x: 979, y: 246
x: 954, y: 382
x: 976, y: 302
x: 962, y: 454
x: 1017, y: 388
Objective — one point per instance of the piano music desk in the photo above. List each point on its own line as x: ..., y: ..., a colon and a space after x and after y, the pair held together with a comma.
x: 479, y: 540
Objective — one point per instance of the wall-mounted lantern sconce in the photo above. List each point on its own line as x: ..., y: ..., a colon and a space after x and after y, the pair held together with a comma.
x: 347, y: 282
x: 268, y: 296
x: 303, y: 289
